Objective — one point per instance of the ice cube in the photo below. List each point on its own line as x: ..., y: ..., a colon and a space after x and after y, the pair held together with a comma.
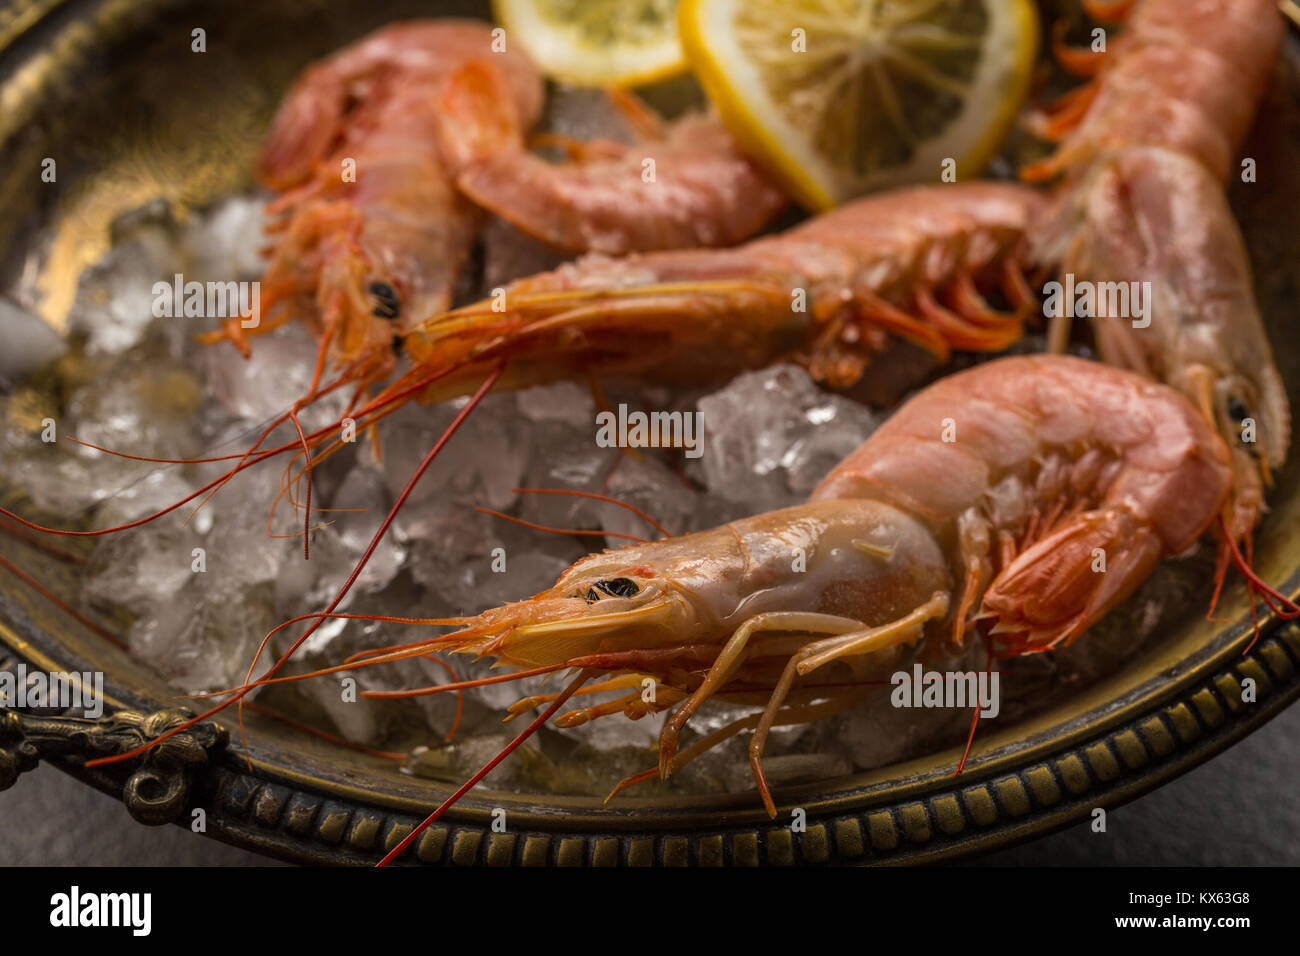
x: 305, y: 586
x: 646, y: 483
x: 839, y: 428
x: 115, y: 297
x: 225, y: 242
x: 480, y: 466
x: 204, y: 638
x: 143, y: 568
x: 474, y: 561
x: 357, y: 510
x: 876, y: 734
x: 565, y: 457
x: 771, y: 435
x: 144, y: 405
x: 267, y: 384
x: 565, y: 402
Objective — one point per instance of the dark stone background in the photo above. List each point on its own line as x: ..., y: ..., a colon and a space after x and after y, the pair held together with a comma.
x: 1242, y: 808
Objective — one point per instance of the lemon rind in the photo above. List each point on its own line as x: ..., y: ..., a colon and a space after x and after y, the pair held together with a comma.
x: 725, y: 71
x: 560, y: 54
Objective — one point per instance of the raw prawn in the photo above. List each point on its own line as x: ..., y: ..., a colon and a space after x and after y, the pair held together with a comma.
x: 1155, y: 216
x: 921, y: 535
x: 372, y: 232
x: 361, y: 254
x: 911, y: 263
x: 914, y: 263
x: 1145, y: 148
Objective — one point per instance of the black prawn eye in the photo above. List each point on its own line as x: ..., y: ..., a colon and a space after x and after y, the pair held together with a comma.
x: 1237, y: 410
x: 387, y: 304
x: 614, y: 587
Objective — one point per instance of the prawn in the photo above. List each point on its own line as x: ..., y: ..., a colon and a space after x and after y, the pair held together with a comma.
x: 1152, y: 215
x: 1145, y: 149
x: 370, y: 229
x: 912, y: 540
x: 361, y: 255
x: 914, y: 264
x: 701, y: 191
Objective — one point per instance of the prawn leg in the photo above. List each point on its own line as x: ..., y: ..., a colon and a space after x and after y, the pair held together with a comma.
x: 631, y: 706
x: 906, y: 629
x: 785, y: 717
x: 730, y: 658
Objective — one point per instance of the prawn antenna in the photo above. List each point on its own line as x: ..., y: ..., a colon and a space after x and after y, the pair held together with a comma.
x: 61, y: 604
x: 549, y: 530
x: 1282, y: 606
x: 595, y: 497
x: 488, y: 767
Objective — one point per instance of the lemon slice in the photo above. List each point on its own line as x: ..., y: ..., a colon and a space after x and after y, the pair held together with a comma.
x: 597, y: 42
x: 841, y: 97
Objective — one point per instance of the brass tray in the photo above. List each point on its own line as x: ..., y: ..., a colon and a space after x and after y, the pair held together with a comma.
x: 112, y: 89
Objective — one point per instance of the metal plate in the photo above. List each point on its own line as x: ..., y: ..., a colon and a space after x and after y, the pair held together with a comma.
x: 113, y: 90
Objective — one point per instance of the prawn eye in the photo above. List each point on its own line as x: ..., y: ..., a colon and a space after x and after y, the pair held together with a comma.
x: 387, y: 304
x: 614, y: 587
x: 1237, y: 410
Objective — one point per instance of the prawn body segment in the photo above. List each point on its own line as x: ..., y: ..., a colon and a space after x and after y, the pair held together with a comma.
x: 704, y: 192
x: 1183, y: 75
x: 1049, y: 462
